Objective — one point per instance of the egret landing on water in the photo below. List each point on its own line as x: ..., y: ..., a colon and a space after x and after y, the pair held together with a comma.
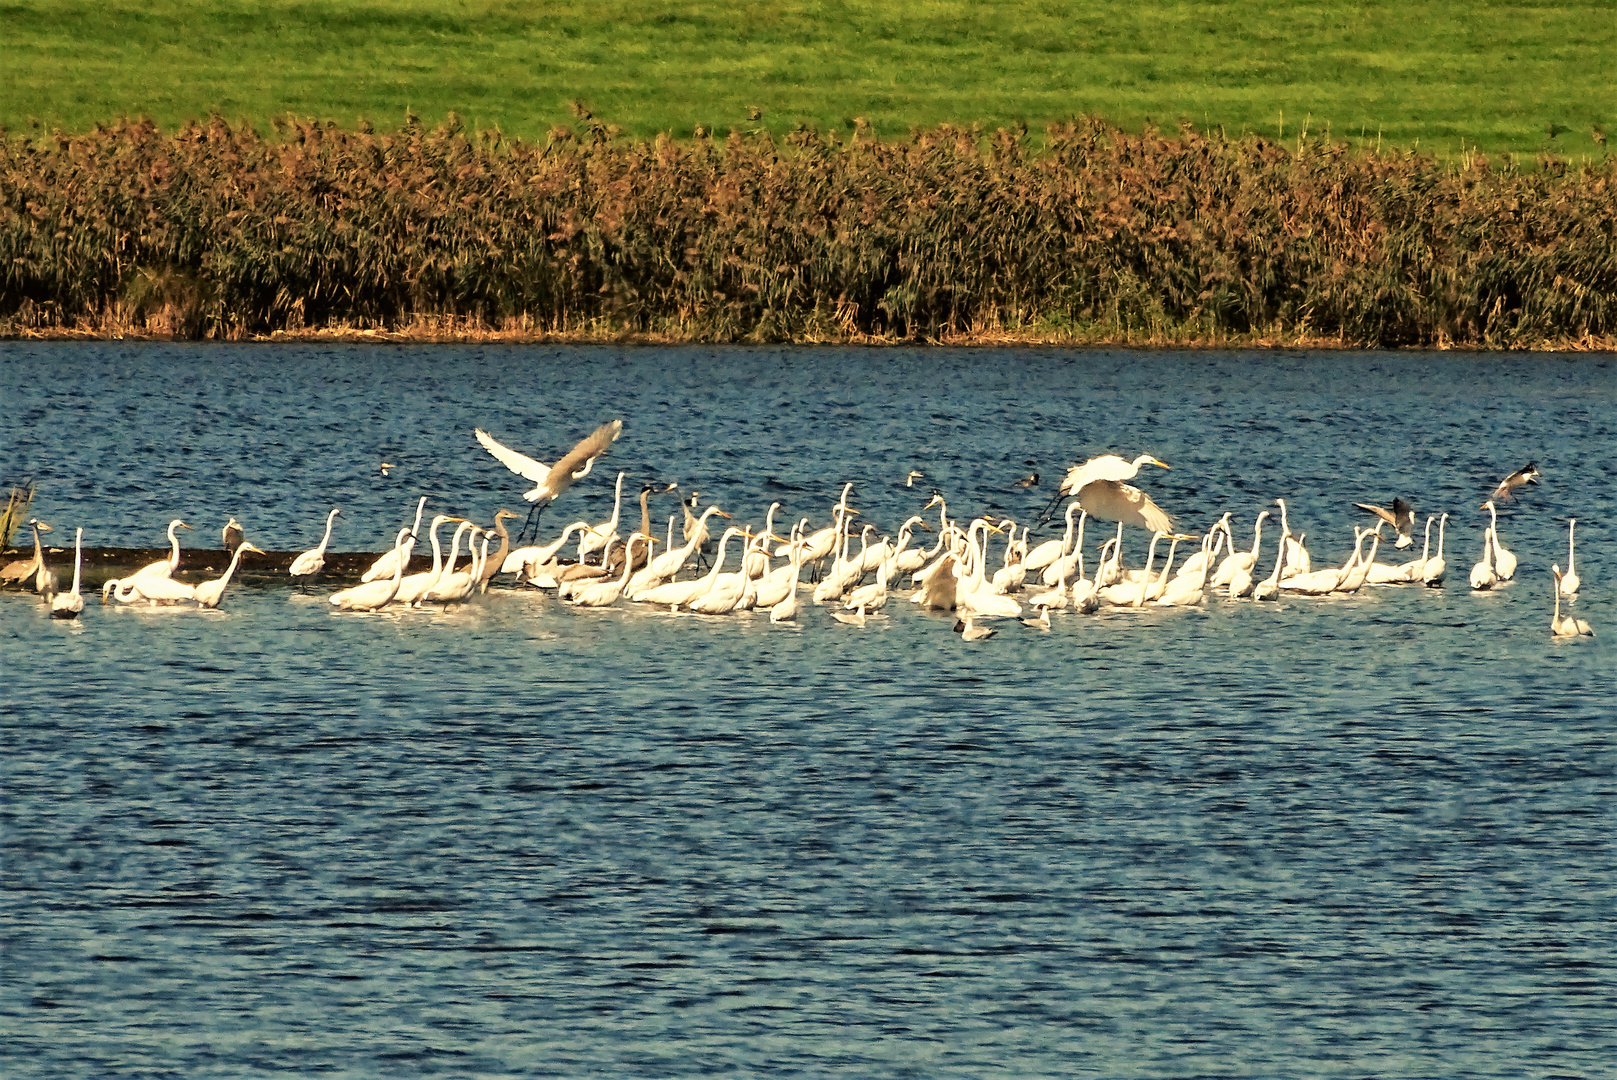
x: 551, y: 480
x: 1527, y: 474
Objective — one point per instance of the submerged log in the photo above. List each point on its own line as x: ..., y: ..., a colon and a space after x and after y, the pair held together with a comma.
x: 205, y: 564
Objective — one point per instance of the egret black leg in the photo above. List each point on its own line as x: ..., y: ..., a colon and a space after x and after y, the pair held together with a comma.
x: 1044, y: 517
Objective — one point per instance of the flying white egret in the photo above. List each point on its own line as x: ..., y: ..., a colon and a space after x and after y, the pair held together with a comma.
x: 1567, y: 627
x: 384, y: 566
x: 209, y: 593
x: 549, y: 481
x: 372, y: 595
x: 312, y: 562
x: 68, y: 605
x: 1571, y: 582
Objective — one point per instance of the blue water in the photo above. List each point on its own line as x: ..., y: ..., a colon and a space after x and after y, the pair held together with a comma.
x: 1363, y: 836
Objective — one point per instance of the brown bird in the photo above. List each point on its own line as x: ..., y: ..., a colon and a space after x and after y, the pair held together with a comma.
x: 1029, y: 481
x: 1527, y: 474
x: 233, y: 536
x: 23, y: 569
x: 492, y: 566
x: 1401, y: 517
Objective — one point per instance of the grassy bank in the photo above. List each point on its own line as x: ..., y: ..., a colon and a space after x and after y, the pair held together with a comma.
x: 1490, y: 74
x: 1096, y: 234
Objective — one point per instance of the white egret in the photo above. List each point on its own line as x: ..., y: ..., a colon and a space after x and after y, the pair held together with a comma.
x: 845, y: 572
x: 549, y: 481
x: 677, y: 594
x: 1202, y: 561
x: 668, y: 564
x: 1567, y: 627
x: 153, y: 588
x: 68, y: 605
x: 786, y: 608
x: 1571, y: 582
x: 1188, y: 590
x: 165, y: 567
x: 384, y: 566
x: 312, y: 562
x: 1269, y: 587
x: 1110, y: 571
x: 1051, y: 551
x: 1297, y: 560
x: 372, y: 595
x: 1246, y: 560
x: 868, y: 598
x: 905, y: 559
x: 606, y: 593
x: 778, y: 584
x: 526, y: 561
x: 598, y: 536
x: 1098, y: 486
x: 1432, y: 571
x: 1483, y: 574
x: 1504, y: 563
x: 1132, y: 590
x: 412, y: 586
x: 209, y: 593
x: 1072, y: 558
x: 972, y: 591
x: 1321, y: 582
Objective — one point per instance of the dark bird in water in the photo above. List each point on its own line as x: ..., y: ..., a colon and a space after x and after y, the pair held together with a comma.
x: 968, y: 629
x: 1401, y: 517
x: 1029, y: 481
x: 233, y: 536
x: 1527, y: 474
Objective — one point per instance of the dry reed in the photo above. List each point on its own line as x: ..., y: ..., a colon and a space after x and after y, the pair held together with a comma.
x: 215, y: 231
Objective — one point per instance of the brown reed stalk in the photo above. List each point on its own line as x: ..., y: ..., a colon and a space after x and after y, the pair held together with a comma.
x: 214, y: 231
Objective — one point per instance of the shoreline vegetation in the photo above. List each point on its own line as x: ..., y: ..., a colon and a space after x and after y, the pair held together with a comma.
x: 1097, y: 236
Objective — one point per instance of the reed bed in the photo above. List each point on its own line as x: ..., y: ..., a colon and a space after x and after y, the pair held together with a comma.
x: 216, y: 231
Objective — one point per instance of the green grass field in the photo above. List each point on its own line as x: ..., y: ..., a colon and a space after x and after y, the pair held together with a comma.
x: 1499, y: 76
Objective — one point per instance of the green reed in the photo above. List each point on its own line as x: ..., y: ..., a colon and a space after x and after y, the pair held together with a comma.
x: 215, y: 231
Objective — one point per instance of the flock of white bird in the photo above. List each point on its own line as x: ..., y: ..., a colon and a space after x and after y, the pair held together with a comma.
x: 955, y: 572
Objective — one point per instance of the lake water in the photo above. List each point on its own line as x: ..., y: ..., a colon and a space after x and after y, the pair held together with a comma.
x: 1362, y: 836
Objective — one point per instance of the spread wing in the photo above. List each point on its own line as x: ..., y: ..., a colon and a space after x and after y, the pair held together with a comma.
x: 1385, y: 515
x: 1105, y: 467
x: 587, y: 450
x: 1113, y: 500
x: 521, y: 464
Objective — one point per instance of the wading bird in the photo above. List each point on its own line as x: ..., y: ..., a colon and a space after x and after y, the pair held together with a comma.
x: 1570, y: 584
x: 209, y: 593
x: 1567, y: 627
x: 21, y: 570
x: 1504, y: 562
x: 384, y: 566
x: 372, y: 595
x: 312, y: 562
x: 233, y: 535
x: 68, y: 605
